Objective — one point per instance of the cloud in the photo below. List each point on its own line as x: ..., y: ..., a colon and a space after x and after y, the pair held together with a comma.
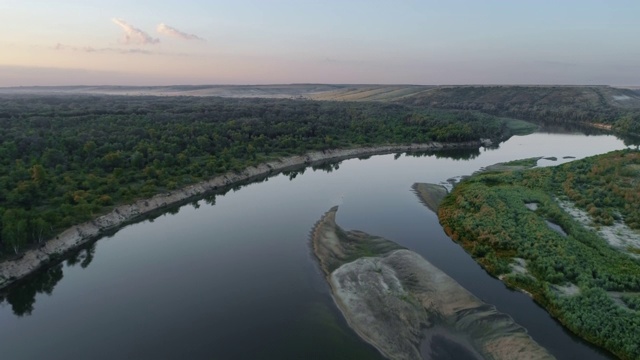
x: 173, y: 32
x: 134, y: 35
x: 114, y: 50
x: 90, y: 49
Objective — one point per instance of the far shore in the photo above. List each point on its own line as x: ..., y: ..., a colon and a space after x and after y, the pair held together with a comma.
x: 53, y: 249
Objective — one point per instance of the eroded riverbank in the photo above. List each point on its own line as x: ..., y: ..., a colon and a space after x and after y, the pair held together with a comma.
x: 78, y: 235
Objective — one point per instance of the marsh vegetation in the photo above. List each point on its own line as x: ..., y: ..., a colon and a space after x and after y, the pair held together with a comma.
x: 571, y: 272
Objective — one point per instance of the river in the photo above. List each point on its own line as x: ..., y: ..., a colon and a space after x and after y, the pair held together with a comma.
x: 231, y: 276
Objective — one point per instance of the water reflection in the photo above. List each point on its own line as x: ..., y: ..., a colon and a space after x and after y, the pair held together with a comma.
x: 630, y: 140
x: 83, y: 256
x: 327, y: 167
x: 293, y: 174
x: 22, y: 297
x: 453, y: 154
x: 552, y: 128
x: 22, y: 294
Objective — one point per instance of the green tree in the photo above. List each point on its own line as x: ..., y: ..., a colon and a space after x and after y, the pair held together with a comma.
x: 14, y: 229
x: 40, y: 228
x: 38, y: 174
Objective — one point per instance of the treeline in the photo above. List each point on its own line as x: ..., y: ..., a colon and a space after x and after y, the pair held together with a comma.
x: 65, y: 159
x: 575, y: 274
x: 542, y: 104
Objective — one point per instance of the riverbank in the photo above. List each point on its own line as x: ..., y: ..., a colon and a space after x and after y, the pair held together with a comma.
x: 31, y: 260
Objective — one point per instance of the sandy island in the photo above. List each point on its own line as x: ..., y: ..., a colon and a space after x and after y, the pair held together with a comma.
x: 406, y: 307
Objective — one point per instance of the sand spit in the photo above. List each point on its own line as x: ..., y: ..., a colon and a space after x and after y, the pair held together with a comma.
x: 406, y: 307
x: 431, y: 195
x: 75, y: 236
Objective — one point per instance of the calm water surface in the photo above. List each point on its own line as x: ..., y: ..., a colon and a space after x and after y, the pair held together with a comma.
x: 232, y: 277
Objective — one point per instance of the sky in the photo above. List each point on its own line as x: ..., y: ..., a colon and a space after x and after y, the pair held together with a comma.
x: 167, y: 42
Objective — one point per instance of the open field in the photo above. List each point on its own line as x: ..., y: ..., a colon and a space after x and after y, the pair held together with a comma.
x: 233, y: 91
x: 485, y: 96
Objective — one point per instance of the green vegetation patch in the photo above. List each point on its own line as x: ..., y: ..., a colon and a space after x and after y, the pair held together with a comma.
x: 487, y: 215
x: 69, y: 159
x: 521, y: 127
x: 632, y: 301
x: 513, y: 165
x: 527, y: 163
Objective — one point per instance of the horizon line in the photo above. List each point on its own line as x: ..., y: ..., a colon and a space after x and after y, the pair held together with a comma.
x: 318, y: 84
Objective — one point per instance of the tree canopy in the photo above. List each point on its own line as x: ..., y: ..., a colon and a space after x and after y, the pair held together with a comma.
x: 67, y: 159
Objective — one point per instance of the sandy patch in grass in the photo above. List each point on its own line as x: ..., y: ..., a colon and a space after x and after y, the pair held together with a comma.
x: 618, y: 235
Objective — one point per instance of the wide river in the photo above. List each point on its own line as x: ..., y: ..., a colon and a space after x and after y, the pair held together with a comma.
x: 234, y: 278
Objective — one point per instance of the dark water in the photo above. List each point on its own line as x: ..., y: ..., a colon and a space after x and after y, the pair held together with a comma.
x: 232, y: 277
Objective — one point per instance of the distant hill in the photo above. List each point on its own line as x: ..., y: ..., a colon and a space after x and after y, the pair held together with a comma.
x: 234, y: 91
x: 489, y: 98
x: 373, y: 92
x: 467, y: 96
x: 500, y: 97
x: 604, y: 107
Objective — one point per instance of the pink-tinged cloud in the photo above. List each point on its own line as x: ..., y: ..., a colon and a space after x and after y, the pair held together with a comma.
x: 173, y: 32
x: 133, y: 35
x: 90, y: 49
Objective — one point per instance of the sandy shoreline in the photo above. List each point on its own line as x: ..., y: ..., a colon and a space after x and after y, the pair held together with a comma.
x: 78, y: 235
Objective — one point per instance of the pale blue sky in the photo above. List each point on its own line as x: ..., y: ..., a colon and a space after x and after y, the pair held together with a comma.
x: 255, y: 42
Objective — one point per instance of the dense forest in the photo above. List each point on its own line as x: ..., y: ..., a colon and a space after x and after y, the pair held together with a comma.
x: 67, y: 159
x: 600, y: 105
x: 512, y: 224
